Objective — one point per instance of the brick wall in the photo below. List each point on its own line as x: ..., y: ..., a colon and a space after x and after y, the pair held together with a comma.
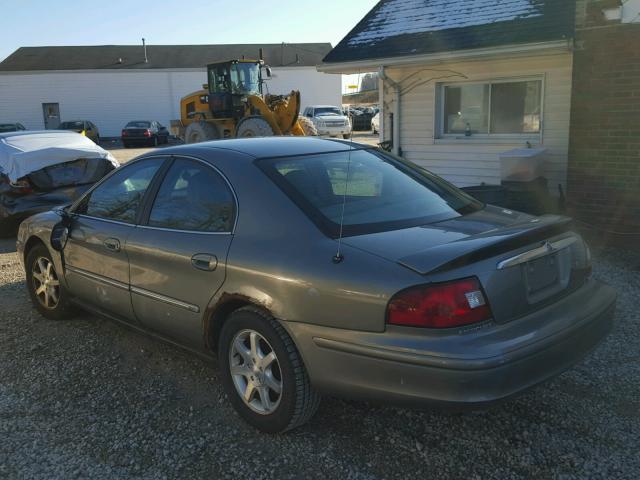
x: 604, y: 153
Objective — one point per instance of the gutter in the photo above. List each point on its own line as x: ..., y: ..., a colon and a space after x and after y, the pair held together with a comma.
x: 395, y: 135
x: 517, y: 50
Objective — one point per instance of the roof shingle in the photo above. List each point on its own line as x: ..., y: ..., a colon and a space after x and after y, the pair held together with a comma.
x: 131, y: 57
x: 396, y: 28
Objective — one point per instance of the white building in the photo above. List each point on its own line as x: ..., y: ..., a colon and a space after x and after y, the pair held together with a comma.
x: 113, y: 84
x: 465, y: 82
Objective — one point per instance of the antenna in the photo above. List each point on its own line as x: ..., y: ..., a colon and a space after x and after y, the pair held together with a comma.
x: 338, y: 257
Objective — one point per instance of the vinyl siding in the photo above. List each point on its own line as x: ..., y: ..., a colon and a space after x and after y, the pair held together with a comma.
x: 471, y: 161
x: 112, y: 98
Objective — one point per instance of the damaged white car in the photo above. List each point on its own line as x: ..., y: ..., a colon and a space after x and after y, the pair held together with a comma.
x: 42, y: 170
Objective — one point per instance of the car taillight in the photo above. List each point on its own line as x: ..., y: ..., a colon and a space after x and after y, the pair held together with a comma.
x: 124, y: 133
x: 443, y: 305
x: 22, y: 186
x: 147, y: 133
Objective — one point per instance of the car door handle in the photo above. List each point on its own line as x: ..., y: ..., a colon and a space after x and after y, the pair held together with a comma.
x: 204, y: 261
x: 112, y: 244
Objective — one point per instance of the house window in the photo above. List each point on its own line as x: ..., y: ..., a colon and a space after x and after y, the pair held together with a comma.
x: 492, y: 108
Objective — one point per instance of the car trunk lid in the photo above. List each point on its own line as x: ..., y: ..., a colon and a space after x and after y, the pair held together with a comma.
x: 523, y: 262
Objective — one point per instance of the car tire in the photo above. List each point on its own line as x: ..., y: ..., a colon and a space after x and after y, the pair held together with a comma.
x: 41, y: 273
x: 125, y: 145
x: 296, y: 402
x: 154, y: 142
x: 254, y: 126
x: 346, y: 136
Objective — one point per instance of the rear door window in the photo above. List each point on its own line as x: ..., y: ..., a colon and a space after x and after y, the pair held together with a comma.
x: 193, y: 197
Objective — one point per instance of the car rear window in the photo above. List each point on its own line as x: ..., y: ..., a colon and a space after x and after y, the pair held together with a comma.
x: 138, y: 125
x: 72, y: 125
x: 371, y: 190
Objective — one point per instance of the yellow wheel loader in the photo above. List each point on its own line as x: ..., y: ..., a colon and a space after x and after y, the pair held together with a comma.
x: 232, y: 105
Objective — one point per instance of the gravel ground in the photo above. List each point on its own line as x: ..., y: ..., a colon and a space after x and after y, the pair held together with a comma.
x: 87, y: 398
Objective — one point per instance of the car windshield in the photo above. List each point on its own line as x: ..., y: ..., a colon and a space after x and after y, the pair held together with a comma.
x: 138, y: 124
x: 71, y: 125
x: 379, y: 192
x: 327, y: 111
x: 245, y: 78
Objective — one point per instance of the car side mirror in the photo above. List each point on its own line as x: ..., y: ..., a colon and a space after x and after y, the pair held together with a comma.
x: 59, y: 236
x: 60, y: 232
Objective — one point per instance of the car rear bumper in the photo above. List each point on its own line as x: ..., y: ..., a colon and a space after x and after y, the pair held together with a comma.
x: 391, y: 366
x: 137, y: 139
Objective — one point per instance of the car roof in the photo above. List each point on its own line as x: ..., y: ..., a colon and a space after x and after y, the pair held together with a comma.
x: 272, y: 147
x: 37, y: 132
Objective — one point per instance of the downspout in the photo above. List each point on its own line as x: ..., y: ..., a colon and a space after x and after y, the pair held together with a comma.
x: 397, y: 149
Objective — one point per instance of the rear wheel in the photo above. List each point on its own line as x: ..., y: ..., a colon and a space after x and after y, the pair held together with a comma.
x: 346, y: 136
x: 254, y: 127
x: 43, y: 282
x: 197, y: 132
x: 308, y: 127
x: 263, y: 374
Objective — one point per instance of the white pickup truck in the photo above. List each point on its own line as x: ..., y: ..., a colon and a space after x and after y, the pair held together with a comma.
x: 329, y: 120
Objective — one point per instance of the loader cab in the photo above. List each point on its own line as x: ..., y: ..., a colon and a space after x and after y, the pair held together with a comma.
x: 230, y: 83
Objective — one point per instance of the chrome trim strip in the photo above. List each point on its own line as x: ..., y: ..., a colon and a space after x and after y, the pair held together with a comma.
x: 106, y: 220
x: 547, y: 249
x: 98, y: 278
x: 164, y: 229
x: 165, y: 299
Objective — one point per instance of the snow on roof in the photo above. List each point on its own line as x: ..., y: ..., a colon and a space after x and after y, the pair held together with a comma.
x: 418, y: 16
x: 395, y: 28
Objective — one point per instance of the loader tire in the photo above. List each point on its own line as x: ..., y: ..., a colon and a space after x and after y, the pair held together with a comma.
x: 197, y: 132
x: 308, y: 127
x: 254, y: 127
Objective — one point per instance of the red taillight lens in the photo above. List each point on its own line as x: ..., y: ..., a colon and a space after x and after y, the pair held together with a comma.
x: 442, y: 305
x: 124, y: 133
x: 147, y: 133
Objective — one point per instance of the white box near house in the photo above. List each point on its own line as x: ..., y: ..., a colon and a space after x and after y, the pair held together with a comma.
x: 522, y: 164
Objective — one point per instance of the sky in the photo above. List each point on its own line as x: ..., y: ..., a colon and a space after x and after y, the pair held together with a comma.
x: 99, y: 22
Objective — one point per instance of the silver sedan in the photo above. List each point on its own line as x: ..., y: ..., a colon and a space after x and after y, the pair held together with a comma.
x: 312, y: 267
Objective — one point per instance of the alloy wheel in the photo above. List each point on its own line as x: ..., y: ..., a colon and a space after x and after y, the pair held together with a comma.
x: 45, y: 283
x: 255, y: 371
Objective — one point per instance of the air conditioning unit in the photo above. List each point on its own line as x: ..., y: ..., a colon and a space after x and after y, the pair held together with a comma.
x: 522, y: 164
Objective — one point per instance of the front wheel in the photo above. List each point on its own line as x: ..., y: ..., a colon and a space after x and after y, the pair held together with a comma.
x: 43, y: 282
x: 263, y: 373
x: 346, y: 136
